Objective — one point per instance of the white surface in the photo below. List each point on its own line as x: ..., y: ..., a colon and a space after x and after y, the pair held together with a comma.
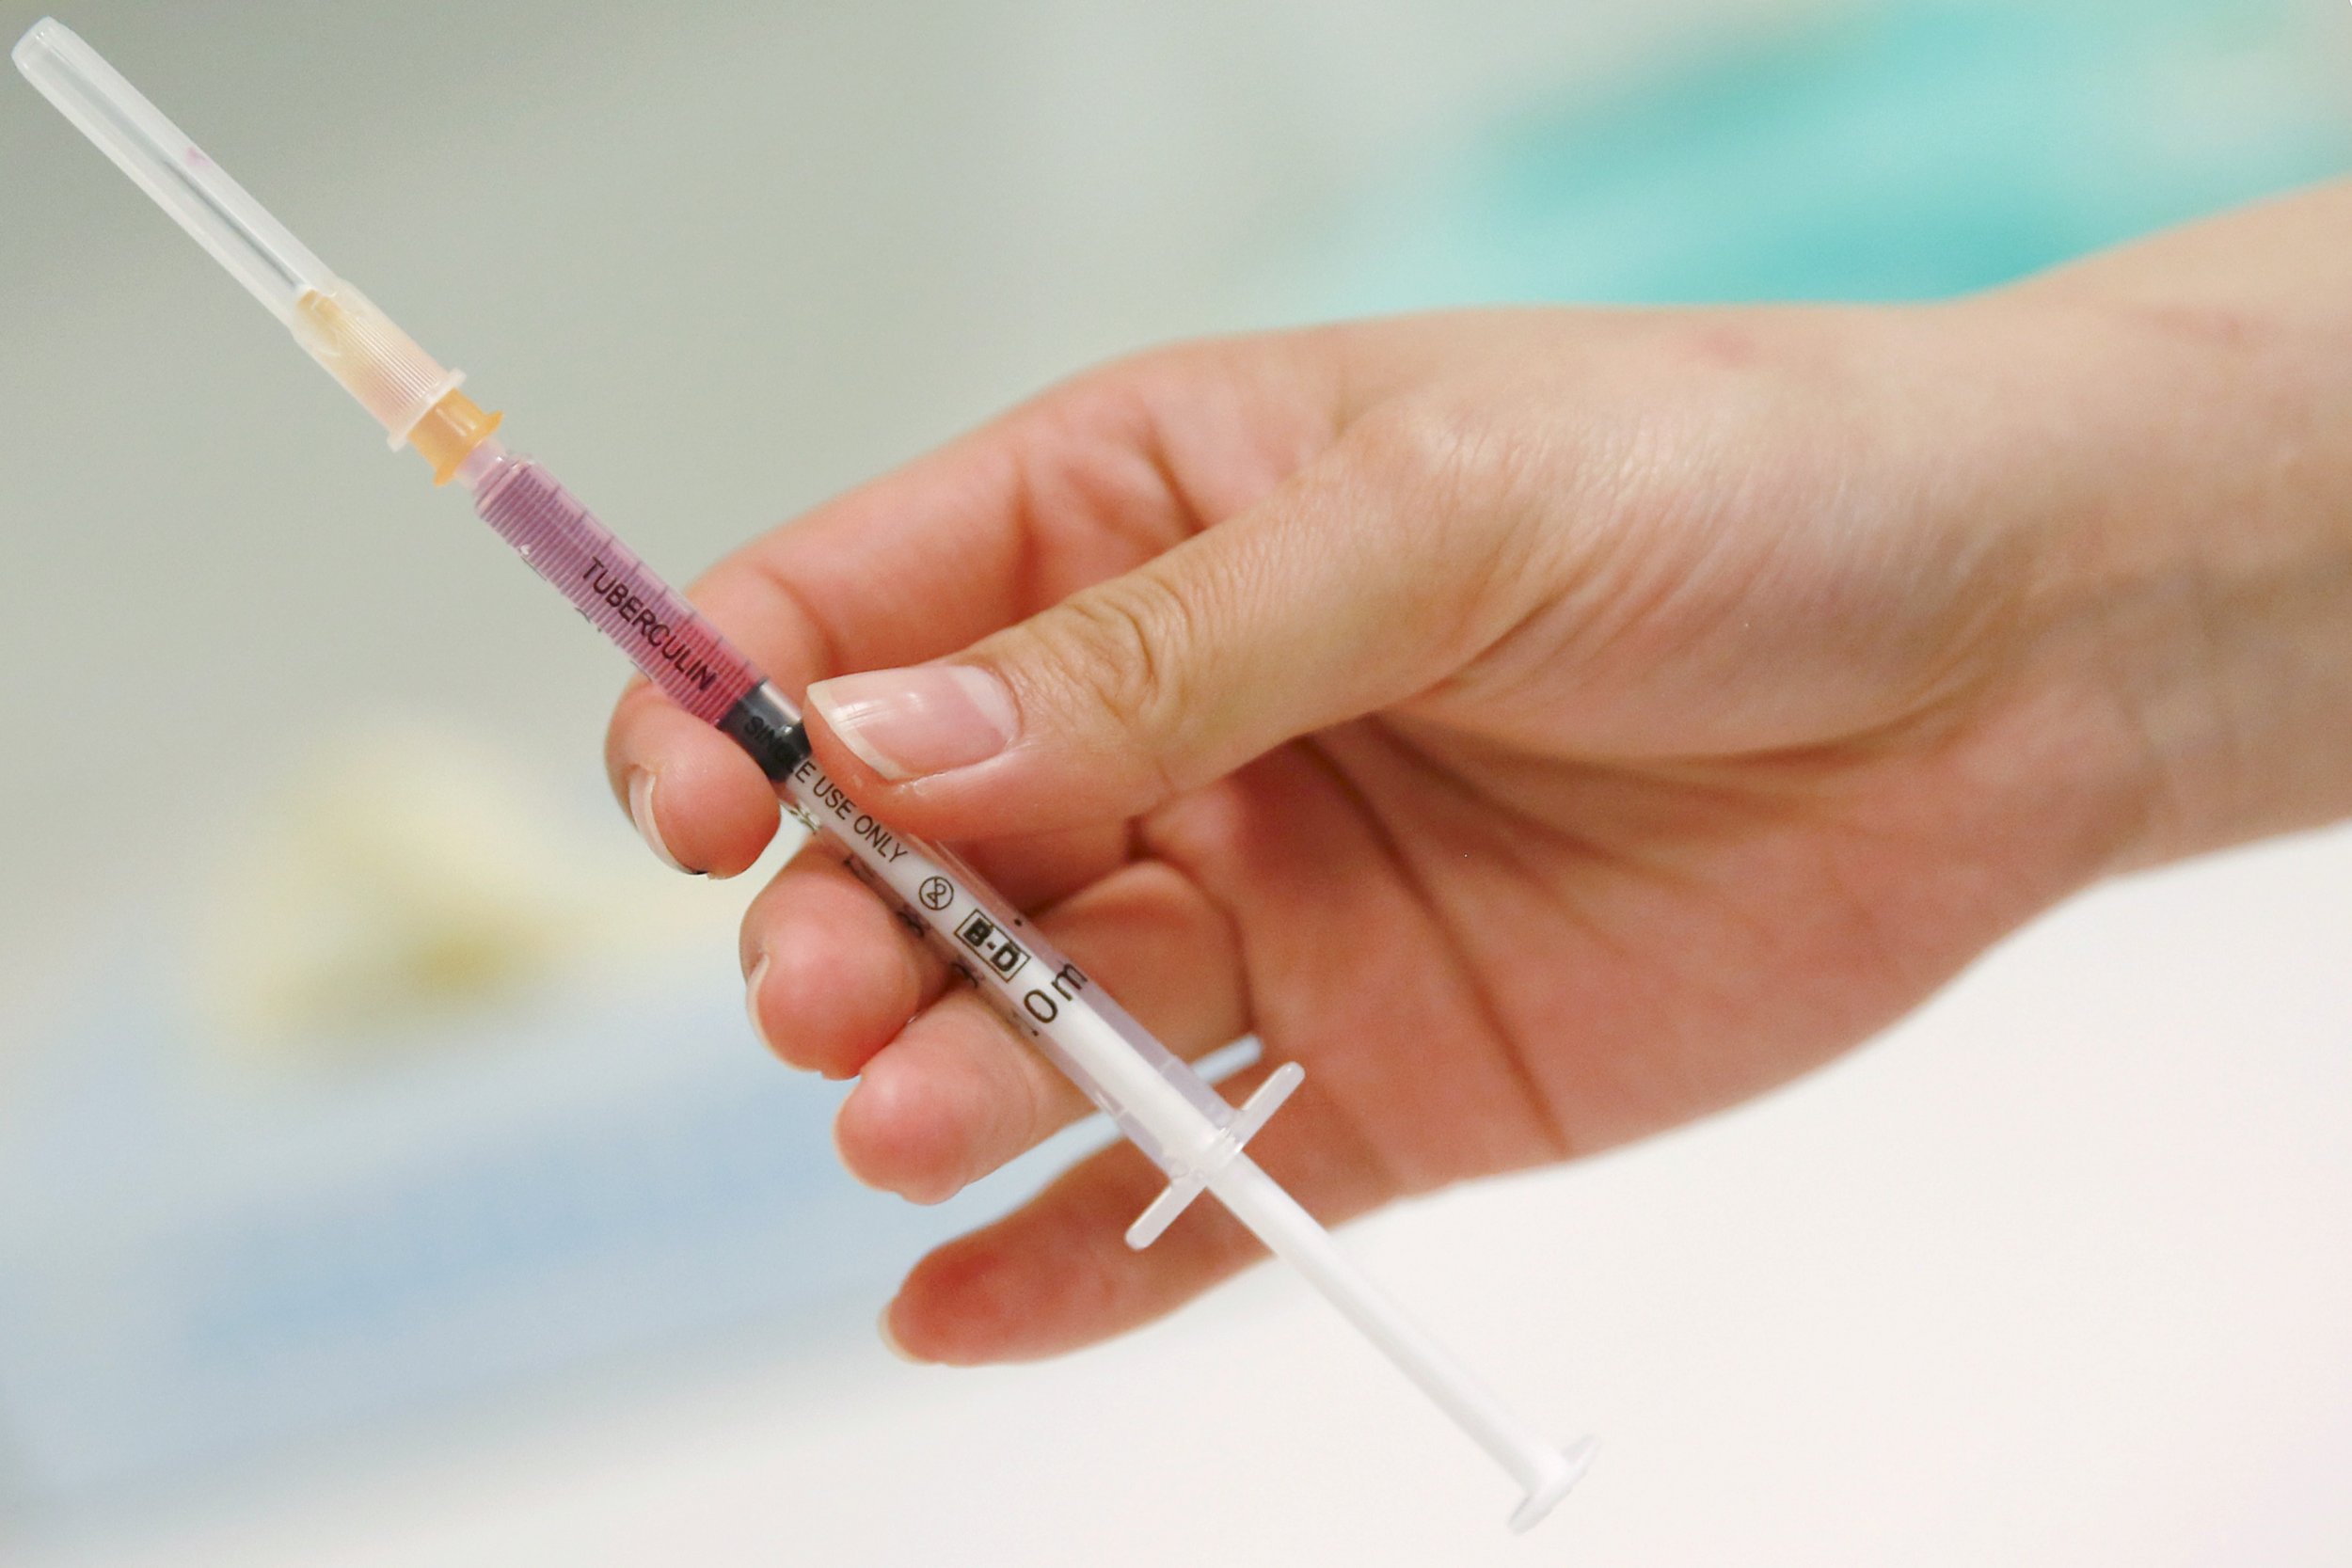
x: 2056, y: 1273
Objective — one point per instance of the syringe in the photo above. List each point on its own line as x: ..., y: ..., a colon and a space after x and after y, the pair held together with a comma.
x: 1155, y: 1099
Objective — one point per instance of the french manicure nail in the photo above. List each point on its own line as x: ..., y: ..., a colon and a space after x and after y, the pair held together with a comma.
x: 929, y: 719
x: 641, y: 782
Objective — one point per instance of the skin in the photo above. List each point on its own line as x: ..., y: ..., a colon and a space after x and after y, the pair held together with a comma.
x: 1548, y: 726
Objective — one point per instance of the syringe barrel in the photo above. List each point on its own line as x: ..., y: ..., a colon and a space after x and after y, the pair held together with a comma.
x: 1156, y: 1098
x: 559, y: 538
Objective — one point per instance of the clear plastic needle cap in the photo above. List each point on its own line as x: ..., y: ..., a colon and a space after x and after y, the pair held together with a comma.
x: 277, y: 268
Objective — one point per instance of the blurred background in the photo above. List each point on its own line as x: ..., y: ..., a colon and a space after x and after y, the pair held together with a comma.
x: 387, y: 1174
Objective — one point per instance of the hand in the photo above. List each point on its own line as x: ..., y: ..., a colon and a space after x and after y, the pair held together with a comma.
x: 1546, y: 726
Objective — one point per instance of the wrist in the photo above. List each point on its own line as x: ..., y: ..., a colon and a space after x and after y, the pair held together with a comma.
x: 2197, y: 489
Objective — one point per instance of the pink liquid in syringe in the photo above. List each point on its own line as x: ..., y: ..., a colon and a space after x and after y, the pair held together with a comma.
x: 665, y: 636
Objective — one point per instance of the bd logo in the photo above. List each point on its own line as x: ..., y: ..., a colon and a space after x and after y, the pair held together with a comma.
x: 988, y: 940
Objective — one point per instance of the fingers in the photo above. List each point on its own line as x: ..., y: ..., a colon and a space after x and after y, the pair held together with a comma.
x: 946, y: 1095
x: 1363, y: 581
x: 698, y: 801
x: 830, y: 975
x: 1080, y: 486
x: 1056, y: 1274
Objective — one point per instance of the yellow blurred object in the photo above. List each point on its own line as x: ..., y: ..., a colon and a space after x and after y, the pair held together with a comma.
x: 407, y: 872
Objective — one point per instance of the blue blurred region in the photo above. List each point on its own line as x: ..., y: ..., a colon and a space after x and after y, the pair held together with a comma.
x: 207, y: 1256
x: 1913, y: 151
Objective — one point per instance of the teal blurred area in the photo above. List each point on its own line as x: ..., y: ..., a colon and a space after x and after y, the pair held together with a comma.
x: 404, y: 1264
x: 1901, y: 152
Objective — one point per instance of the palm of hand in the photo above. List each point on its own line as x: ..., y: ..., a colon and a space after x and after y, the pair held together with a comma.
x: 1749, y: 786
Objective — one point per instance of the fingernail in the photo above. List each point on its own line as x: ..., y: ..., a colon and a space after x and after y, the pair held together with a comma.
x: 906, y: 724
x: 751, y: 1002
x: 640, y: 783
x: 890, y: 1341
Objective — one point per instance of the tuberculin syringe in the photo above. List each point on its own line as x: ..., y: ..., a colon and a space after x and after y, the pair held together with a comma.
x: 1155, y: 1097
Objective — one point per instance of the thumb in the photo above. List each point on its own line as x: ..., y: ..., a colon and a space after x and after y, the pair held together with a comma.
x: 1342, y: 593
